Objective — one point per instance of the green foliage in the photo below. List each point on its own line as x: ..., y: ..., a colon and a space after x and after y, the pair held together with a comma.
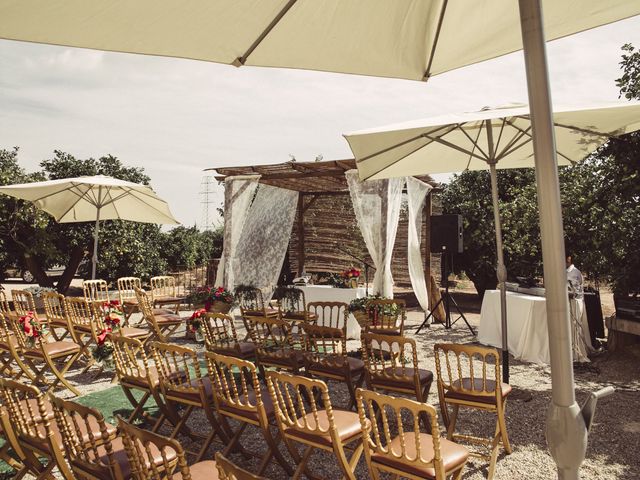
x: 629, y: 83
x: 188, y: 247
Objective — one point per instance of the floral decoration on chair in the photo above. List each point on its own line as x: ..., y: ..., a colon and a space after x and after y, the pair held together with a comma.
x: 195, y: 321
x: 32, y: 328
x: 113, y: 316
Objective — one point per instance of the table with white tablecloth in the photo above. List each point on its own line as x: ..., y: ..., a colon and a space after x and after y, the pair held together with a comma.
x: 527, y: 333
x: 326, y: 293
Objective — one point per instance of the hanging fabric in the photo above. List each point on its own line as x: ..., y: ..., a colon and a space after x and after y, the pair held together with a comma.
x: 238, y: 194
x: 376, y: 204
x: 417, y: 192
x: 265, y: 238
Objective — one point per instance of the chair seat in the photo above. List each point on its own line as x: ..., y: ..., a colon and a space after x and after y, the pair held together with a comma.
x: 300, y: 316
x: 132, y: 332
x: 144, y: 383
x: 194, y: 396
x: 347, y: 425
x: 284, y: 358
x: 170, y: 319
x: 331, y: 366
x: 249, y: 414
x: 397, y: 377
x: 267, y: 312
x: 58, y: 323
x: 242, y: 350
x: 12, y: 340
x: 484, y: 393
x: 453, y: 455
x: 54, y: 350
x: 206, y: 470
x: 168, y: 299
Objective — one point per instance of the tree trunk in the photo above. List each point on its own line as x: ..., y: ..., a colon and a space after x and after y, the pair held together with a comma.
x: 34, y: 265
x: 77, y: 254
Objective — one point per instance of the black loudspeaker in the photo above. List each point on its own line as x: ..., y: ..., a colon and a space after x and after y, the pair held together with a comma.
x: 446, y: 233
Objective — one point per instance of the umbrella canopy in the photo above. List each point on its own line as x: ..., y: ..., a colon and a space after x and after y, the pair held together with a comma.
x: 94, y: 198
x: 411, y: 39
x: 486, y: 139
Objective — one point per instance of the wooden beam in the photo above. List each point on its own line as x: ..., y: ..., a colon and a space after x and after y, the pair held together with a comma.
x: 428, y: 207
x: 300, y: 234
x: 313, y: 199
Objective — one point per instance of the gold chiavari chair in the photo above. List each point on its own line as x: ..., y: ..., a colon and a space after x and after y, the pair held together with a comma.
x: 239, y: 396
x: 54, y: 311
x: 326, y: 357
x: 164, y: 292
x: 330, y: 314
x: 162, y: 325
x: 92, y: 446
x: 469, y: 376
x: 183, y: 384
x: 23, y: 303
x: 129, y: 300
x: 301, y: 420
x: 4, y: 306
x: 292, y: 305
x: 229, y: 471
x: 409, y: 453
x: 252, y: 304
x: 386, y: 316
x: 220, y: 336
x: 95, y: 291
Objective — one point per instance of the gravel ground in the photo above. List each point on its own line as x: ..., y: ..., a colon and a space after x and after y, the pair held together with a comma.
x: 614, y: 441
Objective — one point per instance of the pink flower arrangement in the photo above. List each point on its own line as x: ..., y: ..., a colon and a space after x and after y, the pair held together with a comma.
x: 31, y: 327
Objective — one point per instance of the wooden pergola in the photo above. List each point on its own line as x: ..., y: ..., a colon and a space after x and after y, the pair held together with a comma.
x: 323, y: 188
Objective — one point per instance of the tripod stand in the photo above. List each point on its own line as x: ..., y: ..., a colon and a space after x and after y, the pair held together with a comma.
x: 446, y: 298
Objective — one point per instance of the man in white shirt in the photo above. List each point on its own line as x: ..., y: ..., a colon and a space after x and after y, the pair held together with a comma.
x: 574, y: 277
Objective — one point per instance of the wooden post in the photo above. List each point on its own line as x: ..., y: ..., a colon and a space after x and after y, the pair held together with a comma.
x: 427, y: 238
x: 300, y: 233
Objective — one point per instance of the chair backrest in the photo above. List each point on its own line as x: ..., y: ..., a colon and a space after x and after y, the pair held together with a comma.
x: 331, y: 314
x: 389, y: 357
x: 271, y: 336
x: 386, y: 315
x: 95, y: 290
x: 81, y: 312
x: 470, y: 370
x: 324, y: 345
x: 144, y: 303
x: 250, y: 300
x: 130, y: 360
x: 291, y: 300
x: 54, y: 307
x: 295, y: 404
x: 163, y: 286
x: 4, y: 304
x: 178, y: 368
x: 218, y: 330
x: 127, y: 286
x: 231, y: 388
x: 23, y: 302
x: 377, y: 411
x: 84, y: 447
x: 152, y: 456
x: 229, y: 471
x: 15, y: 327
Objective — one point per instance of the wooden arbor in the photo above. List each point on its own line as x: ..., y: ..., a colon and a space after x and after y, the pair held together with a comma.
x: 325, y: 225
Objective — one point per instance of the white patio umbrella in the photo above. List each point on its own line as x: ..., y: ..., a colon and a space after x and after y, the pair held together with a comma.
x: 91, y: 199
x: 486, y: 139
x: 412, y: 39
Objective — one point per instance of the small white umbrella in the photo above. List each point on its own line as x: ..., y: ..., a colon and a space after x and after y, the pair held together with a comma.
x: 94, y: 198
x: 486, y: 139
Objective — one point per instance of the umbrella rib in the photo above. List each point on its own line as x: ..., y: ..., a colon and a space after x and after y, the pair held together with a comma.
x: 474, y: 143
x: 474, y: 146
x: 133, y: 194
x: 516, y: 138
x: 427, y: 72
x: 497, y: 144
x: 241, y: 60
x: 80, y: 197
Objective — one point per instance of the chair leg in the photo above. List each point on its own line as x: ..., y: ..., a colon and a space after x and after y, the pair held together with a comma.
x: 137, y: 405
x: 503, y: 429
x: 303, y: 462
x: 495, y: 448
x: 452, y: 423
x: 274, y: 452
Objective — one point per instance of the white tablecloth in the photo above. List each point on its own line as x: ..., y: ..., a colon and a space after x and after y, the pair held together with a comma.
x: 325, y: 293
x: 528, y: 337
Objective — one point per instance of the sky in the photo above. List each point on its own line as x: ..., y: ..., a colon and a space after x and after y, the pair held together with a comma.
x: 178, y: 117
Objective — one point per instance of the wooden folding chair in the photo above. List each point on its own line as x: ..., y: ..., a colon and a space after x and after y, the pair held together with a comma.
x: 326, y: 357
x: 238, y: 396
x: 275, y: 347
x: 330, y: 314
x: 135, y: 372
x: 92, y: 446
x: 95, y: 290
x: 386, y: 316
x: 229, y: 471
x: 4, y: 306
x: 23, y: 303
x: 54, y: 311
x: 129, y: 300
x: 469, y: 376
x: 407, y: 452
x: 182, y: 384
x: 391, y: 364
x: 6, y: 355
x: 35, y: 436
x: 292, y: 305
x: 164, y: 292
x: 251, y: 302
x: 315, y: 427
x: 162, y: 326
x: 40, y: 359
x: 220, y: 337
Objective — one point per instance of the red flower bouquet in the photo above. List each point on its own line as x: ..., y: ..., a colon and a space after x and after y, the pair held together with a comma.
x: 194, y: 322
x: 32, y: 328
x: 214, y: 299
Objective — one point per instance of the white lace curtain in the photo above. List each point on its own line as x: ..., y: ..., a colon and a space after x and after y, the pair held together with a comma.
x: 265, y: 238
x: 238, y: 194
x: 417, y: 192
x: 376, y: 204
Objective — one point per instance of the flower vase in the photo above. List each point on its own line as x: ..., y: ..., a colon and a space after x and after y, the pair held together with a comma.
x: 353, y: 283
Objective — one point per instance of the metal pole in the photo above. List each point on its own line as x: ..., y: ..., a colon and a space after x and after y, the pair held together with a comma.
x: 566, y: 430
x: 501, y: 272
x: 94, y: 259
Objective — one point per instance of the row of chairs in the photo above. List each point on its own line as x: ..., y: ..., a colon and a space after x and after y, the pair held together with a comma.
x: 46, y: 432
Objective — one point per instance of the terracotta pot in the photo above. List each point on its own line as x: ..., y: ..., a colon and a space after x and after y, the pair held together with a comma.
x: 220, y: 307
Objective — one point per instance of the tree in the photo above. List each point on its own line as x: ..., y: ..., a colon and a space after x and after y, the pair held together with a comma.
x: 188, y: 247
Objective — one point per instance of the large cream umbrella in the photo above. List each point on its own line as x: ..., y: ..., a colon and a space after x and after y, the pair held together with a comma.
x: 91, y: 199
x: 486, y: 139
x: 413, y: 39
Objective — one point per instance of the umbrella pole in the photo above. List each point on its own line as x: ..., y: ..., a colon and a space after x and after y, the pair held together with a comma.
x: 566, y: 429
x: 94, y: 259
x: 501, y: 271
